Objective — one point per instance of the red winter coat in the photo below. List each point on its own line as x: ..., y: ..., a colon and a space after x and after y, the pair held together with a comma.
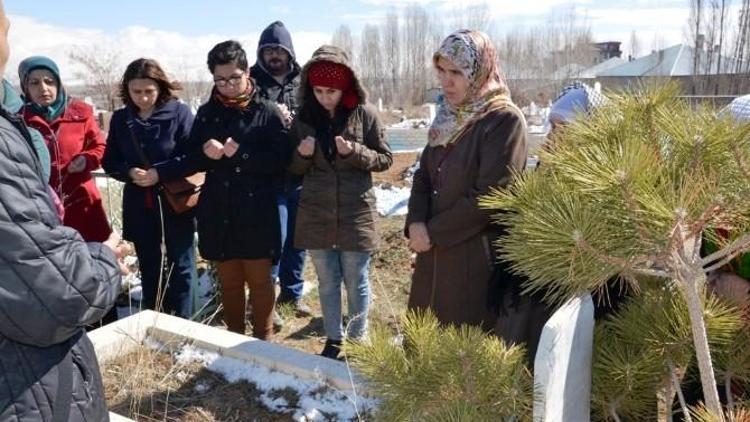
x: 72, y: 134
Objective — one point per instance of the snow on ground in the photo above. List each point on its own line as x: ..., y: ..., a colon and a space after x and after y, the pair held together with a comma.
x: 392, y: 200
x: 411, y: 124
x: 318, y: 401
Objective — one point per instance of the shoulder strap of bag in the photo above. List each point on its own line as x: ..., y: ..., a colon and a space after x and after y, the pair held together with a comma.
x: 138, y: 149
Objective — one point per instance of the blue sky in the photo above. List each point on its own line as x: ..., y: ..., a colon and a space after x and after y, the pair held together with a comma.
x: 179, y: 33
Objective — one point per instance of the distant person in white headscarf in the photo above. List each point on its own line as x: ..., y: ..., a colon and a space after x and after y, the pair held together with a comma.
x: 574, y: 100
x: 739, y: 108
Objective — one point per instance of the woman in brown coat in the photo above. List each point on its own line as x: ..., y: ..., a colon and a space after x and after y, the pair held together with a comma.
x: 339, y: 143
x: 475, y: 143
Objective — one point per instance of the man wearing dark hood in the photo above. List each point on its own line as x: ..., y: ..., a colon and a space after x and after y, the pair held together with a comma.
x: 276, y: 73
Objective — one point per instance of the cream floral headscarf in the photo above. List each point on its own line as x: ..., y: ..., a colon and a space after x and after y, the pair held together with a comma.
x: 474, y: 54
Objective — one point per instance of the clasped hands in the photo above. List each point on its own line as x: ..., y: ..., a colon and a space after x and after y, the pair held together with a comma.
x: 77, y: 164
x: 214, y: 149
x: 306, y: 147
x: 144, y: 178
x: 419, y: 238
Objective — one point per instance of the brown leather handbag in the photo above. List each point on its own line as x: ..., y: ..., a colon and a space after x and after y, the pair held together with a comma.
x: 182, y: 194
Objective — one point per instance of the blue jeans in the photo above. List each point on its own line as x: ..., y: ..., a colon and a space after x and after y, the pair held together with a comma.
x: 333, y: 266
x: 292, y: 261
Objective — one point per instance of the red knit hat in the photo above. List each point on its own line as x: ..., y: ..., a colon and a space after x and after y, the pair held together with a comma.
x: 336, y: 76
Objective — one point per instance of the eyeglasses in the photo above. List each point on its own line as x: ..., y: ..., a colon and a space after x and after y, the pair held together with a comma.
x: 232, y: 80
x: 274, y: 50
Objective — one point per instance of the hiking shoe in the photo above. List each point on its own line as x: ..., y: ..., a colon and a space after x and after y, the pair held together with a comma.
x: 300, y: 309
x: 278, y: 322
x: 332, y: 349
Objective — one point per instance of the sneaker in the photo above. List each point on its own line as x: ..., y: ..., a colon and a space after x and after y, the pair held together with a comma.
x: 300, y: 309
x: 332, y: 349
x: 278, y: 322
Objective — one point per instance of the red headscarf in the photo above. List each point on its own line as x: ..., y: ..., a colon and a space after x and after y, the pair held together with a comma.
x: 336, y: 76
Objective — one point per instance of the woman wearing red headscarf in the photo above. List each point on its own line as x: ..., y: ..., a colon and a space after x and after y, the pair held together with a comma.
x: 339, y: 143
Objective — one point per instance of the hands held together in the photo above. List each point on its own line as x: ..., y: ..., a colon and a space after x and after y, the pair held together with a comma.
x: 306, y: 147
x: 144, y: 178
x: 419, y: 239
x: 214, y: 149
x: 77, y: 165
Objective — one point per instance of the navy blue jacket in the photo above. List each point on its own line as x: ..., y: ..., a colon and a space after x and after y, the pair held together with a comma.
x: 164, y: 139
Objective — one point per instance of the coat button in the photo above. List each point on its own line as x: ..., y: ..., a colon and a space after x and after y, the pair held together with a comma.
x: 237, y: 169
x: 226, y: 184
x: 435, y: 192
x: 245, y: 156
x: 250, y: 194
x: 226, y: 221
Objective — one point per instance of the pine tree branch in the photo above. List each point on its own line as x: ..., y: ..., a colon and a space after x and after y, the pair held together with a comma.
x: 631, y: 205
x: 727, y: 254
x: 652, y: 272
x: 701, y: 223
x: 613, y: 412
x: 728, y: 391
x: 678, y: 389
x: 738, y: 157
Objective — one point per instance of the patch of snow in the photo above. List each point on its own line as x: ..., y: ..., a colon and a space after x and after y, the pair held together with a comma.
x: 317, y: 400
x: 201, y: 387
x: 392, y: 200
x: 411, y: 124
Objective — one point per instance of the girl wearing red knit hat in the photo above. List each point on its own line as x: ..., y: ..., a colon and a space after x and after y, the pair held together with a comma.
x: 339, y: 142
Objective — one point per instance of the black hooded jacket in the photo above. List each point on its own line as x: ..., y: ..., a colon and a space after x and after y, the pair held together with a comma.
x: 276, y: 35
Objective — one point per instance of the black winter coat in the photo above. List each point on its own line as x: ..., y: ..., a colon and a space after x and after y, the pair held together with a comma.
x: 237, y: 213
x: 52, y: 284
x: 281, y: 93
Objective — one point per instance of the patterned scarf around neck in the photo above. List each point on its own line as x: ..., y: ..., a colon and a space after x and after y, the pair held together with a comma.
x: 473, y: 53
x: 239, y: 102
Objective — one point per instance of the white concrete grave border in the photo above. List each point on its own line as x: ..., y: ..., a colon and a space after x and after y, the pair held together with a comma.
x: 125, y: 335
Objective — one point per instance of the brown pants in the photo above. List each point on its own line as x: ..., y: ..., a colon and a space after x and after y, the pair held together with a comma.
x: 256, y: 273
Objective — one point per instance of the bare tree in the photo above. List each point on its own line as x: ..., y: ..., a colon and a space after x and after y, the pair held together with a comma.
x: 343, y: 39
x: 696, y: 38
x: 475, y: 16
x: 371, y: 65
x: 392, y: 51
x: 742, y: 42
x: 100, y: 69
x: 416, y: 39
x: 635, y: 45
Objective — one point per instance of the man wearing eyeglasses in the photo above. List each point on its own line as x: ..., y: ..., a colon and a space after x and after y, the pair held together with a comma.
x: 276, y: 73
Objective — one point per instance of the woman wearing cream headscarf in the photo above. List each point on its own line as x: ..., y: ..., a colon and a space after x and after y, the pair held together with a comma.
x: 475, y: 143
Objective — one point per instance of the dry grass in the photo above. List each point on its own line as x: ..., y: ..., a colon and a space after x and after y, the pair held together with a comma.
x: 390, y: 279
x: 394, y: 175
x: 149, y: 385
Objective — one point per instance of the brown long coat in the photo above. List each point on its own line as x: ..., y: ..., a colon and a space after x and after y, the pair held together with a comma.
x: 337, y: 205
x: 452, y: 278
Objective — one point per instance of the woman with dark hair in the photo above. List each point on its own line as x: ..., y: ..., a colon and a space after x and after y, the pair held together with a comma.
x: 340, y: 142
x: 75, y: 142
x: 240, y: 141
x: 147, y: 144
